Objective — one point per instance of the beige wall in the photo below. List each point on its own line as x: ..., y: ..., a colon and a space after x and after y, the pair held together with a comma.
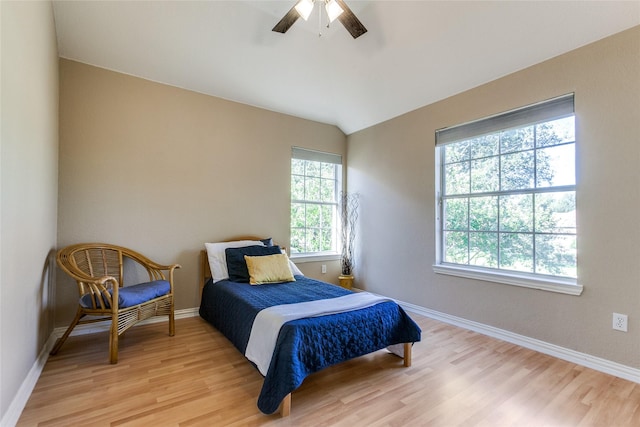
x: 28, y: 196
x: 392, y: 166
x: 163, y: 170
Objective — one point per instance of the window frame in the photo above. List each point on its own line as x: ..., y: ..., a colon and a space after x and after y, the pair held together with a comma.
x: 533, y: 114
x: 326, y: 158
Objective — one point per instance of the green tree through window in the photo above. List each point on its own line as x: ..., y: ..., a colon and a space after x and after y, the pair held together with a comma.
x: 508, y: 199
x: 315, y: 185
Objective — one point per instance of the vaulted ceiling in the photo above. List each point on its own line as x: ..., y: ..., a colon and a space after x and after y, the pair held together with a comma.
x: 414, y: 53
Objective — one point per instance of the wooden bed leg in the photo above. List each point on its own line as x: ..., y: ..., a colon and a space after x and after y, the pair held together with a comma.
x: 285, y: 406
x: 407, y: 354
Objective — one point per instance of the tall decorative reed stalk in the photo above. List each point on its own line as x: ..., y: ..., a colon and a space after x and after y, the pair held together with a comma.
x: 348, y: 216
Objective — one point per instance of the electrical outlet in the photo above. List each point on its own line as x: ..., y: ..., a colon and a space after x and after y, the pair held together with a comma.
x: 620, y: 322
x: 323, y: 269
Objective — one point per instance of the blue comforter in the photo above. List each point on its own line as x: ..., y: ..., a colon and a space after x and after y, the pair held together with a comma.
x: 307, y: 345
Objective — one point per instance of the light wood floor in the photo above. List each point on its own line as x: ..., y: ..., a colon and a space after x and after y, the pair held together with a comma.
x: 197, y: 378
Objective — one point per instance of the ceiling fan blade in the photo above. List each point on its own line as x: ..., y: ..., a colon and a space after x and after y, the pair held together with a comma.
x: 350, y: 21
x: 287, y: 21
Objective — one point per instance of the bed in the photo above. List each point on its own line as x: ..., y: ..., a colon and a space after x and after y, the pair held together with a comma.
x: 355, y: 325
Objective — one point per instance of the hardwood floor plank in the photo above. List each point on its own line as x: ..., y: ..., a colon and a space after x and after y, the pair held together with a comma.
x: 197, y: 378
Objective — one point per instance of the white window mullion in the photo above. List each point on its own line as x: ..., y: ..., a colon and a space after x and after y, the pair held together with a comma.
x: 322, y: 160
x: 551, y: 119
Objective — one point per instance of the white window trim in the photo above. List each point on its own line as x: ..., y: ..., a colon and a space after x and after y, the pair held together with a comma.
x: 561, y: 285
x: 315, y: 257
x: 319, y: 156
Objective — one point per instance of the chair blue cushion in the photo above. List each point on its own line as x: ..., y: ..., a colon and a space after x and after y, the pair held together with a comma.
x: 137, y: 294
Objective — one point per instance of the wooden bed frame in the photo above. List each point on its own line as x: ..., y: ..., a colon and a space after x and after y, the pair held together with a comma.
x: 205, y: 275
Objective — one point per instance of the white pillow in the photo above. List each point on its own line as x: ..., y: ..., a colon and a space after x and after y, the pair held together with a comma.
x: 294, y: 268
x: 218, y: 258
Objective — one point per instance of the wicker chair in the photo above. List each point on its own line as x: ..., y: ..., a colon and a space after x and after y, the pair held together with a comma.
x: 98, y: 270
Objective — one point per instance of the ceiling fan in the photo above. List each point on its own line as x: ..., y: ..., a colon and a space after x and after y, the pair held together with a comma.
x: 336, y: 9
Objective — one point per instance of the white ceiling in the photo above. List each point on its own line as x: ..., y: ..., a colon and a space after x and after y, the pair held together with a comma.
x: 415, y: 52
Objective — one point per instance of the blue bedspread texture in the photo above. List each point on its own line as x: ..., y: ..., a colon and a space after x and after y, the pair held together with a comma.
x: 307, y: 345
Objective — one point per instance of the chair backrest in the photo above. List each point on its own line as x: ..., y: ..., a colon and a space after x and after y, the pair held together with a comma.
x: 98, y: 262
x: 84, y: 261
x: 93, y: 260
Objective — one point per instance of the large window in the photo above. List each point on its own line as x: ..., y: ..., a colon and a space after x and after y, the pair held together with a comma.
x: 507, y: 197
x: 316, y: 179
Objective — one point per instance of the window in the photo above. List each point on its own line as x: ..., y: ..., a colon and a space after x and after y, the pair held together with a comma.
x: 316, y: 181
x: 506, y: 192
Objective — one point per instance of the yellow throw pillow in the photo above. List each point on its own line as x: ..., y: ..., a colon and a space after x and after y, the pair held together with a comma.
x: 269, y: 269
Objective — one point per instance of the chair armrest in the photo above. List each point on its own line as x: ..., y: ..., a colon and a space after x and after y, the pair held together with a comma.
x: 158, y: 268
x: 155, y: 271
x: 163, y: 267
x: 99, y: 288
x: 146, y: 262
x: 80, y: 276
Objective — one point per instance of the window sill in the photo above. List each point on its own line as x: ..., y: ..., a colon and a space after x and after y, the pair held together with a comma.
x: 560, y: 285
x: 302, y: 258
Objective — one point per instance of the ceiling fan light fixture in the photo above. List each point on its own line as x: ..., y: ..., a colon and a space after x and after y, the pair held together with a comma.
x: 333, y: 10
x: 304, y: 8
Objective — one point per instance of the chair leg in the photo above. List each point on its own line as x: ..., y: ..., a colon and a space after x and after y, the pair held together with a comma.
x: 64, y: 336
x: 113, y: 341
x: 172, y: 323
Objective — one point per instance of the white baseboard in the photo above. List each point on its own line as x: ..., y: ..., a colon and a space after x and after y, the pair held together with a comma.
x: 599, y: 364
x: 583, y: 359
x: 18, y: 403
